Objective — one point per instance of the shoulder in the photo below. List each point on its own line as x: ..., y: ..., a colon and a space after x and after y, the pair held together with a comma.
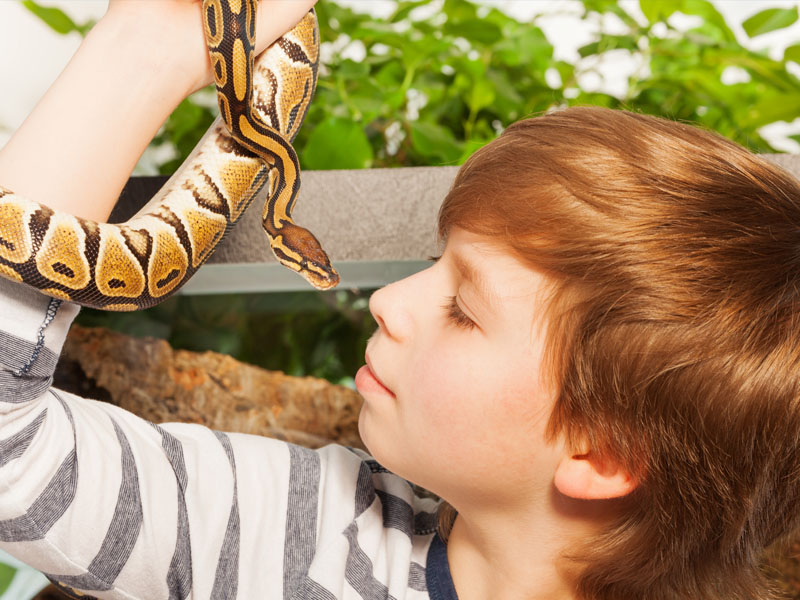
x: 379, y: 496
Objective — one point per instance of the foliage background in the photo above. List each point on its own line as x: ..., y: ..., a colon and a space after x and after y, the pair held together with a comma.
x: 437, y: 80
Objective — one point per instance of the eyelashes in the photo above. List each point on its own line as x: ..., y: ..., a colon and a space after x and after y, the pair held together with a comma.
x: 454, y: 313
x: 456, y: 316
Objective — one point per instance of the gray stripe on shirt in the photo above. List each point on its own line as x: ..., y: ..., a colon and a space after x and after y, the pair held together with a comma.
x: 416, y: 578
x: 365, y: 490
x: 397, y: 513
x: 179, y: 575
x: 16, y: 354
x: 54, y: 500
x: 425, y: 523
x: 301, y: 517
x: 358, y: 570
x: 14, y: 446
x: 226, y: 580
x: 311, y: 590
x: 122, y: 532
x: 29, y: 368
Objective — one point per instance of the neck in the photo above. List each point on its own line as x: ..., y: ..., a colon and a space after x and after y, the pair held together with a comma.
x: 518, y: 555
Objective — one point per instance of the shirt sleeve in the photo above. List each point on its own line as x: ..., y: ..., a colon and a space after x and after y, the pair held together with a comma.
x: 113, y: 506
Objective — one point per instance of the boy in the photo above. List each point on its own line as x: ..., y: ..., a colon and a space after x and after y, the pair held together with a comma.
x: 599, y: 375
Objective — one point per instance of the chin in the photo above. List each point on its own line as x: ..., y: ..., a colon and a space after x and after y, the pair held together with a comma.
x: 375, y: 440
x: 364, y: 433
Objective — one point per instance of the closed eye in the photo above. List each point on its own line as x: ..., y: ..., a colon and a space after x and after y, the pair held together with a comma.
x: 456, y: 316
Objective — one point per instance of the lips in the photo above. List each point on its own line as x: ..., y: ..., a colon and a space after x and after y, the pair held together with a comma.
x: 367, y: 381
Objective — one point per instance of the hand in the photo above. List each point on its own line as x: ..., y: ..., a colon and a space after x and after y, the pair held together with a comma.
x: 175, y: 28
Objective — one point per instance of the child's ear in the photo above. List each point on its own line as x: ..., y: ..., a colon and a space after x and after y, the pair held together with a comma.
x: 591, y: 477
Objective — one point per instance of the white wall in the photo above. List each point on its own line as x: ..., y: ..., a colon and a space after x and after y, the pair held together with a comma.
x: 34, y: 55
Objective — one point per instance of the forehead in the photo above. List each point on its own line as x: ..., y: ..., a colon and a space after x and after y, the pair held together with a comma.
x: 488, y: 264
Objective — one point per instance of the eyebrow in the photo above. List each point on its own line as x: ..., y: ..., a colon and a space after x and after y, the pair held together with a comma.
x: 468, y: 271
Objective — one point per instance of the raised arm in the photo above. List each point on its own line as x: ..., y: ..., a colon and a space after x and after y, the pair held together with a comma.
x: 77, y: 148
x: 93, y: 496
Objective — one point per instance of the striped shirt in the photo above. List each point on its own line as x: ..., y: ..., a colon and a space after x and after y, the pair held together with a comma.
x: 109, y: 505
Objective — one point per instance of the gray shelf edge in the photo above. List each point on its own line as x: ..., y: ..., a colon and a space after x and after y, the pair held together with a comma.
x: 271, y: 277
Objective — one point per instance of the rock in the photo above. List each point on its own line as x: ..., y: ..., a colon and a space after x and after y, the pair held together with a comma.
x: 149, y: 378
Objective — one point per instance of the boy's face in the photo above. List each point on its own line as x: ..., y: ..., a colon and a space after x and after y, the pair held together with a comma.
x: 459, y: 348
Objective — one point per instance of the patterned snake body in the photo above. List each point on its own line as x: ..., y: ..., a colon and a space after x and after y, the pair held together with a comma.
x: 141, y: 262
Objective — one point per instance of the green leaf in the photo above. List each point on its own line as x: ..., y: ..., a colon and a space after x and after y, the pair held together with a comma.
x: 769, y: 20
x: 7, y: 573
x: 714, y: 21
x: 404, y: 8
x: 474, y: 30
x: 459, y: 10
x: 608, y: 42
x: 481, y: 95
x: 610, y: 6
x: 337, y: 144
x: 435, y: 142
x: 528, y: 46
x: 792, y: 53
x: 55, y: 18
x: 658, y: 10
x: 770, y: 108
x: 350, y: 69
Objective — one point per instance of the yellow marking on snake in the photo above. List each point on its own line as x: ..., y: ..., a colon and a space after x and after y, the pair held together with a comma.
x: 62, y: 256
x: 16, y: 244
x: 137, y: 239
x: 118, y: 271
x: 224, y: 109
x: 10, y: 273
x: 121, y: 307
x: 287, y: 250
x: 251, y: 23
x: 282, y: 202
x: 214, y: 40
x: 56, y: 293
x: 167, y: 270
x: 240, y: 68
x: 236, y: 178
x: 235, y: 6
x: 205, y: 230
x: 220, y: 69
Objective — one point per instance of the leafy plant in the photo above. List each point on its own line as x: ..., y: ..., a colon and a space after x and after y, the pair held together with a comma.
x: 432, y: 89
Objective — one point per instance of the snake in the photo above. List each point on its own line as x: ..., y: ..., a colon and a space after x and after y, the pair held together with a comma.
x: 136, y: 264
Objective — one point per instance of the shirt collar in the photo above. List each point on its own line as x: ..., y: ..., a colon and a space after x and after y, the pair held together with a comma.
x: 437, y: 572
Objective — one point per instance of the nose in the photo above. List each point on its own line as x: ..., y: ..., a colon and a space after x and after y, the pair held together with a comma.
x: 391, y: 307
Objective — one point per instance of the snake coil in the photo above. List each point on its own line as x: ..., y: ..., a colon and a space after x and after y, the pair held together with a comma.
x: 141, y: 262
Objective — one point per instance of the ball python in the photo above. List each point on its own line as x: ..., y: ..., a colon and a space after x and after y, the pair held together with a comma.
x: 139, y: 263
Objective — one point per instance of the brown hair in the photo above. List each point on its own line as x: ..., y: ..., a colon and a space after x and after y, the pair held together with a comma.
x: 674, y: 333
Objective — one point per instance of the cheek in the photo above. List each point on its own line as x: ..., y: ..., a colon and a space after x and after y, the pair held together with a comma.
x: 441, y: 378
x: 480, y: 391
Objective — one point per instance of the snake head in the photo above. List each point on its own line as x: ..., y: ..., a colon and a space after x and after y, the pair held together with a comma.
x: 296, y: 248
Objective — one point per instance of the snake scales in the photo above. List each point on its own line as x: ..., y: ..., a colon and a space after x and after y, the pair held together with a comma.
x: 141, y: 262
